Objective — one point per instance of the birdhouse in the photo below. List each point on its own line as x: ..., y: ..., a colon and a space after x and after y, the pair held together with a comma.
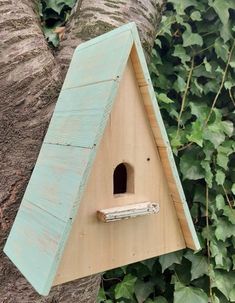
x: 105, y: 191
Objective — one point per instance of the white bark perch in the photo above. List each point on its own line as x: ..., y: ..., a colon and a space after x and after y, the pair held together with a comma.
x: 127, y: 211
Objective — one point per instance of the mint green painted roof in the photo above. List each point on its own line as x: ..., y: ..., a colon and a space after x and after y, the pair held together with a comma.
x: 51, y: 200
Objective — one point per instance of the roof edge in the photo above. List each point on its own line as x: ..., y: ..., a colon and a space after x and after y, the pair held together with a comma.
x: 126, y: 27
x: 164, y: 137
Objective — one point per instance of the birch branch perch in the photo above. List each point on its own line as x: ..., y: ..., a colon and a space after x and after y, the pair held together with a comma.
x: 127, y: 211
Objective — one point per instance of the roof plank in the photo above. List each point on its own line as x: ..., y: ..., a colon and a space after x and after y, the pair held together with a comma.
x: 110, y: 57
x: 86, y: 97
x: 56, y: 179
x: 75, y: 128
x: 34, y: 243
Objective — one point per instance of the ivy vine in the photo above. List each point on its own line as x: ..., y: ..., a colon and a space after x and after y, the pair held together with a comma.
x: 193, y: 73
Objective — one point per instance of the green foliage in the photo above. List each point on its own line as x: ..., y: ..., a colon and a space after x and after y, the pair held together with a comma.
x: 54, y: 14
x: 189, y: 294
x: 194, y: 79
x: 193, y: 74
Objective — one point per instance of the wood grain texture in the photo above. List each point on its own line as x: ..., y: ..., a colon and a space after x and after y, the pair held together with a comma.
x: 94, y: 246
x: 85, y: 97
x: 75, y: 128
x: 60, y: 176
x: 162, y: 142
x: 128, y: 211
x: 57, y: 178
x: 33, y: 244
x: 100, y: 60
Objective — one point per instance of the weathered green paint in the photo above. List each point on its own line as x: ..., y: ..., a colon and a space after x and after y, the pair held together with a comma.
x: 75, y: 128
x: 55, y: 181
x: 99, y: 63
x: 34, y: 244
x: 85, y: 98
x: 52, y: 198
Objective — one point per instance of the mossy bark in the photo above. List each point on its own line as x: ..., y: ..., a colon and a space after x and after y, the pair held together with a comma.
x: 30, y: 79
x: 91, y: 18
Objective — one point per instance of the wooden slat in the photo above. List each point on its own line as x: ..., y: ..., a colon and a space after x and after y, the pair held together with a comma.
x: 86, y: 97
x: 34, y: 245
x: 56, y: 179
x: 75, y: 127
x: 99, y: 63
x: 127, y: 211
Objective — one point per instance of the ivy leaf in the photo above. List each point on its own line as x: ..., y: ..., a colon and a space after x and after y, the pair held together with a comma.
x: 220, y: 177
x: 228, y: 85
x: 221, y: 7
x: 222, y: 160
x: 220, y: 202
x: 215, y: 299
x: 200, y: 110
x: 189, y: 294
x: 227, y: 148
x: 208, y: 172
x: 180, y: 52
x: 208, y: 150
x: 196, y: 88
x: 190, y: 166
x: 232, y: 295
x: 168, y: 259
x: 143, y: 290
x: 125, y: 289
x: 179, y: 84
x: 199, y: 265
x: 233, y: 188
x: 219, y: 252
x: 51, y: 36
x: 221, y: 49
x: 163, y: 98
x: 232, y: 64
x: 101, y: 296
x: 149, y: 263
x: 70, y: 3
x: 56, y: 5
x: 158, y: 42
x: 196, y: 16
x: 207, y: 65
x: 224, y: 230
x: 196, y: 134
x: 180, y: 6
x: 227, y: 127
x: 224, y: 281
x: 161, y: 299
x: 215, y: 137
x: 229, y: 213
x: 190, y: 38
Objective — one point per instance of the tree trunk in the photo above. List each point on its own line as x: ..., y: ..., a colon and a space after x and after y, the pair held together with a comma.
x: 30, y: 79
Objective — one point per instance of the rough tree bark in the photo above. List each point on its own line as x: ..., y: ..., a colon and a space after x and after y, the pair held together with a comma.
x: 30, y: 80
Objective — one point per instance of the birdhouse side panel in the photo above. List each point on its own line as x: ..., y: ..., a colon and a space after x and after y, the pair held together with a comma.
x: 162, y: 141
x: 94, y: 246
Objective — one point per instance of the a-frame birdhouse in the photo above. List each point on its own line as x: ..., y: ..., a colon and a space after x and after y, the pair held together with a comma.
x: 105, y: 191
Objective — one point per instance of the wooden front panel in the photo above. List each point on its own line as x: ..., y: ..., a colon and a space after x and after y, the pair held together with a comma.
x: 94, y: 246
